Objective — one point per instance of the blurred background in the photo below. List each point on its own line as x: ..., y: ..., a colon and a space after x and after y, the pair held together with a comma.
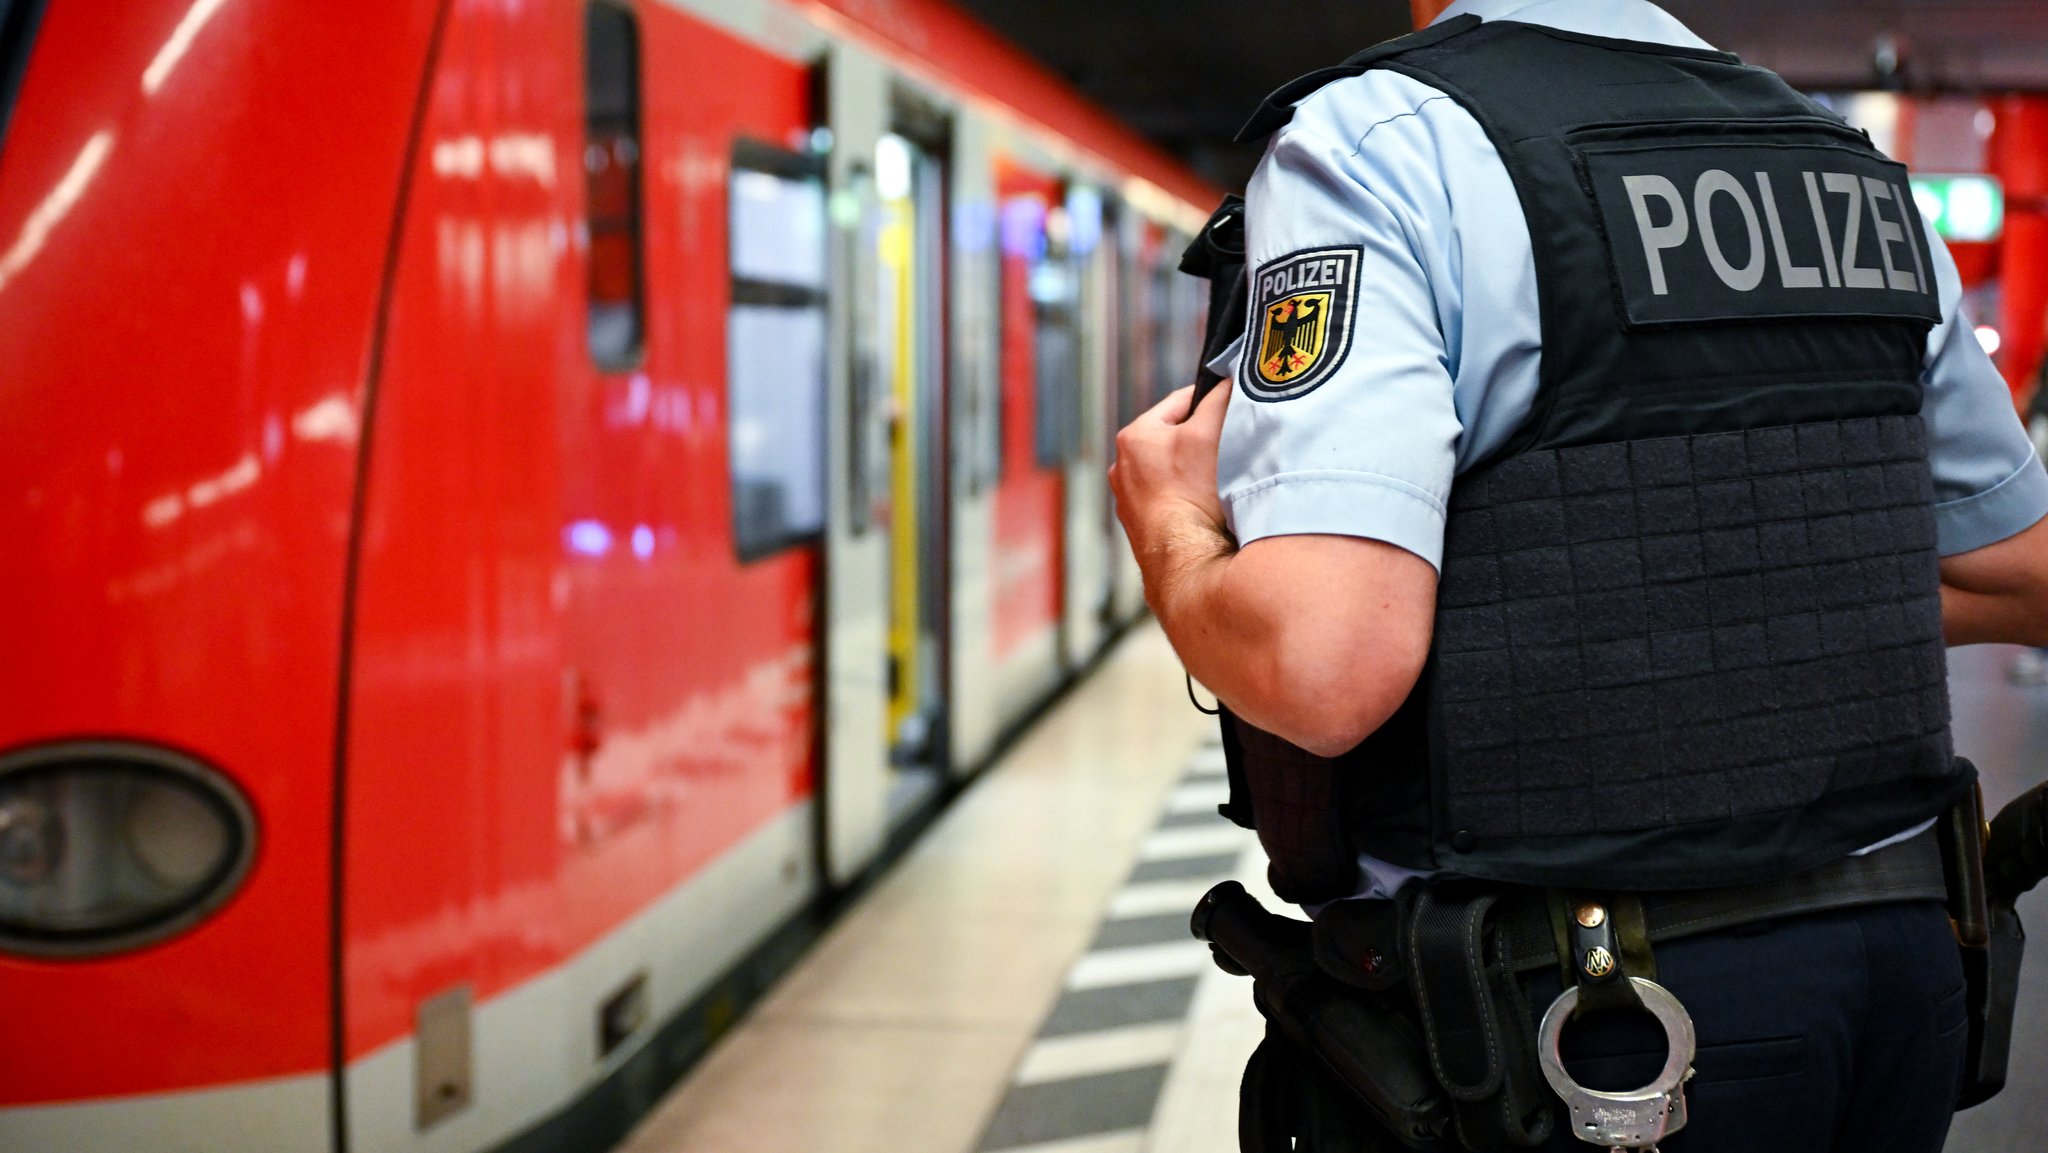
x: 1186, y: 74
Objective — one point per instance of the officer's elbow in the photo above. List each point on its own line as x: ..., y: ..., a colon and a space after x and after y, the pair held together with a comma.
x: 1337, y: 738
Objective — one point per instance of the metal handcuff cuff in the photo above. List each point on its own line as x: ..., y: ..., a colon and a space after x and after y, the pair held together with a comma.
x: 1639, y: 1118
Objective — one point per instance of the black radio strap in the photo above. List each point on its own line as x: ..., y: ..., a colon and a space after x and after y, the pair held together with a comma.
x: 1217, y: 255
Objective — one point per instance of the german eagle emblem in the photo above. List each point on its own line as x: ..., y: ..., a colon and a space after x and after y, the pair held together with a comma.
x: 1294, y: 335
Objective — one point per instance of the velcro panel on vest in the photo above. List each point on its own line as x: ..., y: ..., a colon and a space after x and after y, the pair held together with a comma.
x: 1683, y: 631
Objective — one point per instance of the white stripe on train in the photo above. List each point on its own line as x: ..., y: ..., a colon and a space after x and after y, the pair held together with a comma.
x: 534, y: 1047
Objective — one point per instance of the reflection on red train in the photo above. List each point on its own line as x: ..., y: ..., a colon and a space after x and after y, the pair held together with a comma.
x: 508, y: 507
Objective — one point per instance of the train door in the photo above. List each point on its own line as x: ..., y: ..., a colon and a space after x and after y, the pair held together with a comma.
x: 582, y: 715
x: 1137, y: 244
x: 910, y: 186
x: 452, y: 737
x: 858, y: 780
x: 1040, y: 353
x: 1085, y: 487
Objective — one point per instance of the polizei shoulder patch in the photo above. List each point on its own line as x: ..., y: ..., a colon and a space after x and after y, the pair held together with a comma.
x: 1303, y: 307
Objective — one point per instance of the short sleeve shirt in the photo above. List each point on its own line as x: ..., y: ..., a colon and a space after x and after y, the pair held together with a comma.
x: 1442, y: 365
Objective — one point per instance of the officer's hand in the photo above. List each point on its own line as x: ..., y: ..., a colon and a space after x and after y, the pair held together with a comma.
x: 1165, y: 471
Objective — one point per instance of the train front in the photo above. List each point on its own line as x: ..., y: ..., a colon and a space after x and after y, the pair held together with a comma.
x: 195, y: 200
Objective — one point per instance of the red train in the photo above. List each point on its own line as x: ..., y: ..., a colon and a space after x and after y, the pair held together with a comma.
x: 507, y: 507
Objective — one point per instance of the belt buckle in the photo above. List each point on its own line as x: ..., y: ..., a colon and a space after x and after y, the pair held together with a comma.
x: 1637, y: 1119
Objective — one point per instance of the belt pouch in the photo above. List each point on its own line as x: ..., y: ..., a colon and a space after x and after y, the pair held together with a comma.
x: 1475, y: 1021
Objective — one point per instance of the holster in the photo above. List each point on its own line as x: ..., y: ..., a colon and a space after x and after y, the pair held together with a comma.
x: 1351, y: 1026
x: 1408, y: 1008
x: 1289, y: 1102
x: 1988, y: 867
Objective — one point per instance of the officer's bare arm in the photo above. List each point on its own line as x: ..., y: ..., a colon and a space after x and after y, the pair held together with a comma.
x: 1314, y: 638
x: 1317, y: 639
x: 1998, y: 593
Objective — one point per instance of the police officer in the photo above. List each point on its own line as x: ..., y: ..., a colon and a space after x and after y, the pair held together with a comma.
x: 1606, y: 464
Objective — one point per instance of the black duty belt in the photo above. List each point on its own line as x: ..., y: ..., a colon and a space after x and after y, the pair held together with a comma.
x: 1908, y: 871
x: 1414, y: 1005
x: 1359, y: 941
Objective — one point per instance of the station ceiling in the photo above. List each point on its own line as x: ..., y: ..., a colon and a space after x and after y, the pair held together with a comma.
x: 1188, y: 72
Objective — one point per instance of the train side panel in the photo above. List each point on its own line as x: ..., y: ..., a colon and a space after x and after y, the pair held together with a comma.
x: 581, y: 740
x: 194, y: 206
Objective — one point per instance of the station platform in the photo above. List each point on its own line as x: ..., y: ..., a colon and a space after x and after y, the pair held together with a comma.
x: 1022, y: 981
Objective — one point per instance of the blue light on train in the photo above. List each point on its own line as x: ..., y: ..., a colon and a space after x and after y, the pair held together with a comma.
x: 588, y: 538
x: 1024, y: 227
x: 643, y: 541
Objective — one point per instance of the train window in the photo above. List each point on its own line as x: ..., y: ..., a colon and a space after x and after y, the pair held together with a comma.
x: 775, y: 349
x: 1056, y: 344
x: 611, y: 173
x: 978, y: 335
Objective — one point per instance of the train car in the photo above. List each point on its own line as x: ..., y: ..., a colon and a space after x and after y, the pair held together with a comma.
x: 510, y: 507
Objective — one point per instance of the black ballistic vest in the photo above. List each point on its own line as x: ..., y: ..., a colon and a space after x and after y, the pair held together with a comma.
x: 1688, y: 629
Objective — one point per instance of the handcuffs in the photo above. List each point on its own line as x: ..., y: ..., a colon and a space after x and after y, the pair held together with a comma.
x: 1639, y: 1118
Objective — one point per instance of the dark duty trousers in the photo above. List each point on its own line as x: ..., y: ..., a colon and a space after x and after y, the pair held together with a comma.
x: 1838, y: 1032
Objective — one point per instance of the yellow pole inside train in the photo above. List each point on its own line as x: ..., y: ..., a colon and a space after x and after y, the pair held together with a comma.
x: 899, y: 306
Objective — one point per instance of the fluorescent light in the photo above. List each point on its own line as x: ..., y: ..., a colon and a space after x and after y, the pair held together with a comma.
x: 892, y: 168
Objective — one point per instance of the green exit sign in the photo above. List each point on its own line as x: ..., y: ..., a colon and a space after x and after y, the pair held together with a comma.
x: 1968, y: 208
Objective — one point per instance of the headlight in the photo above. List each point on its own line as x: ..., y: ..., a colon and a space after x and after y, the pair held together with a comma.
x: 107, y: 846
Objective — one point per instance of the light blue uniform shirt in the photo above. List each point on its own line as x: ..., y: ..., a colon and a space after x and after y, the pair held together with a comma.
x: 1442, y: 367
